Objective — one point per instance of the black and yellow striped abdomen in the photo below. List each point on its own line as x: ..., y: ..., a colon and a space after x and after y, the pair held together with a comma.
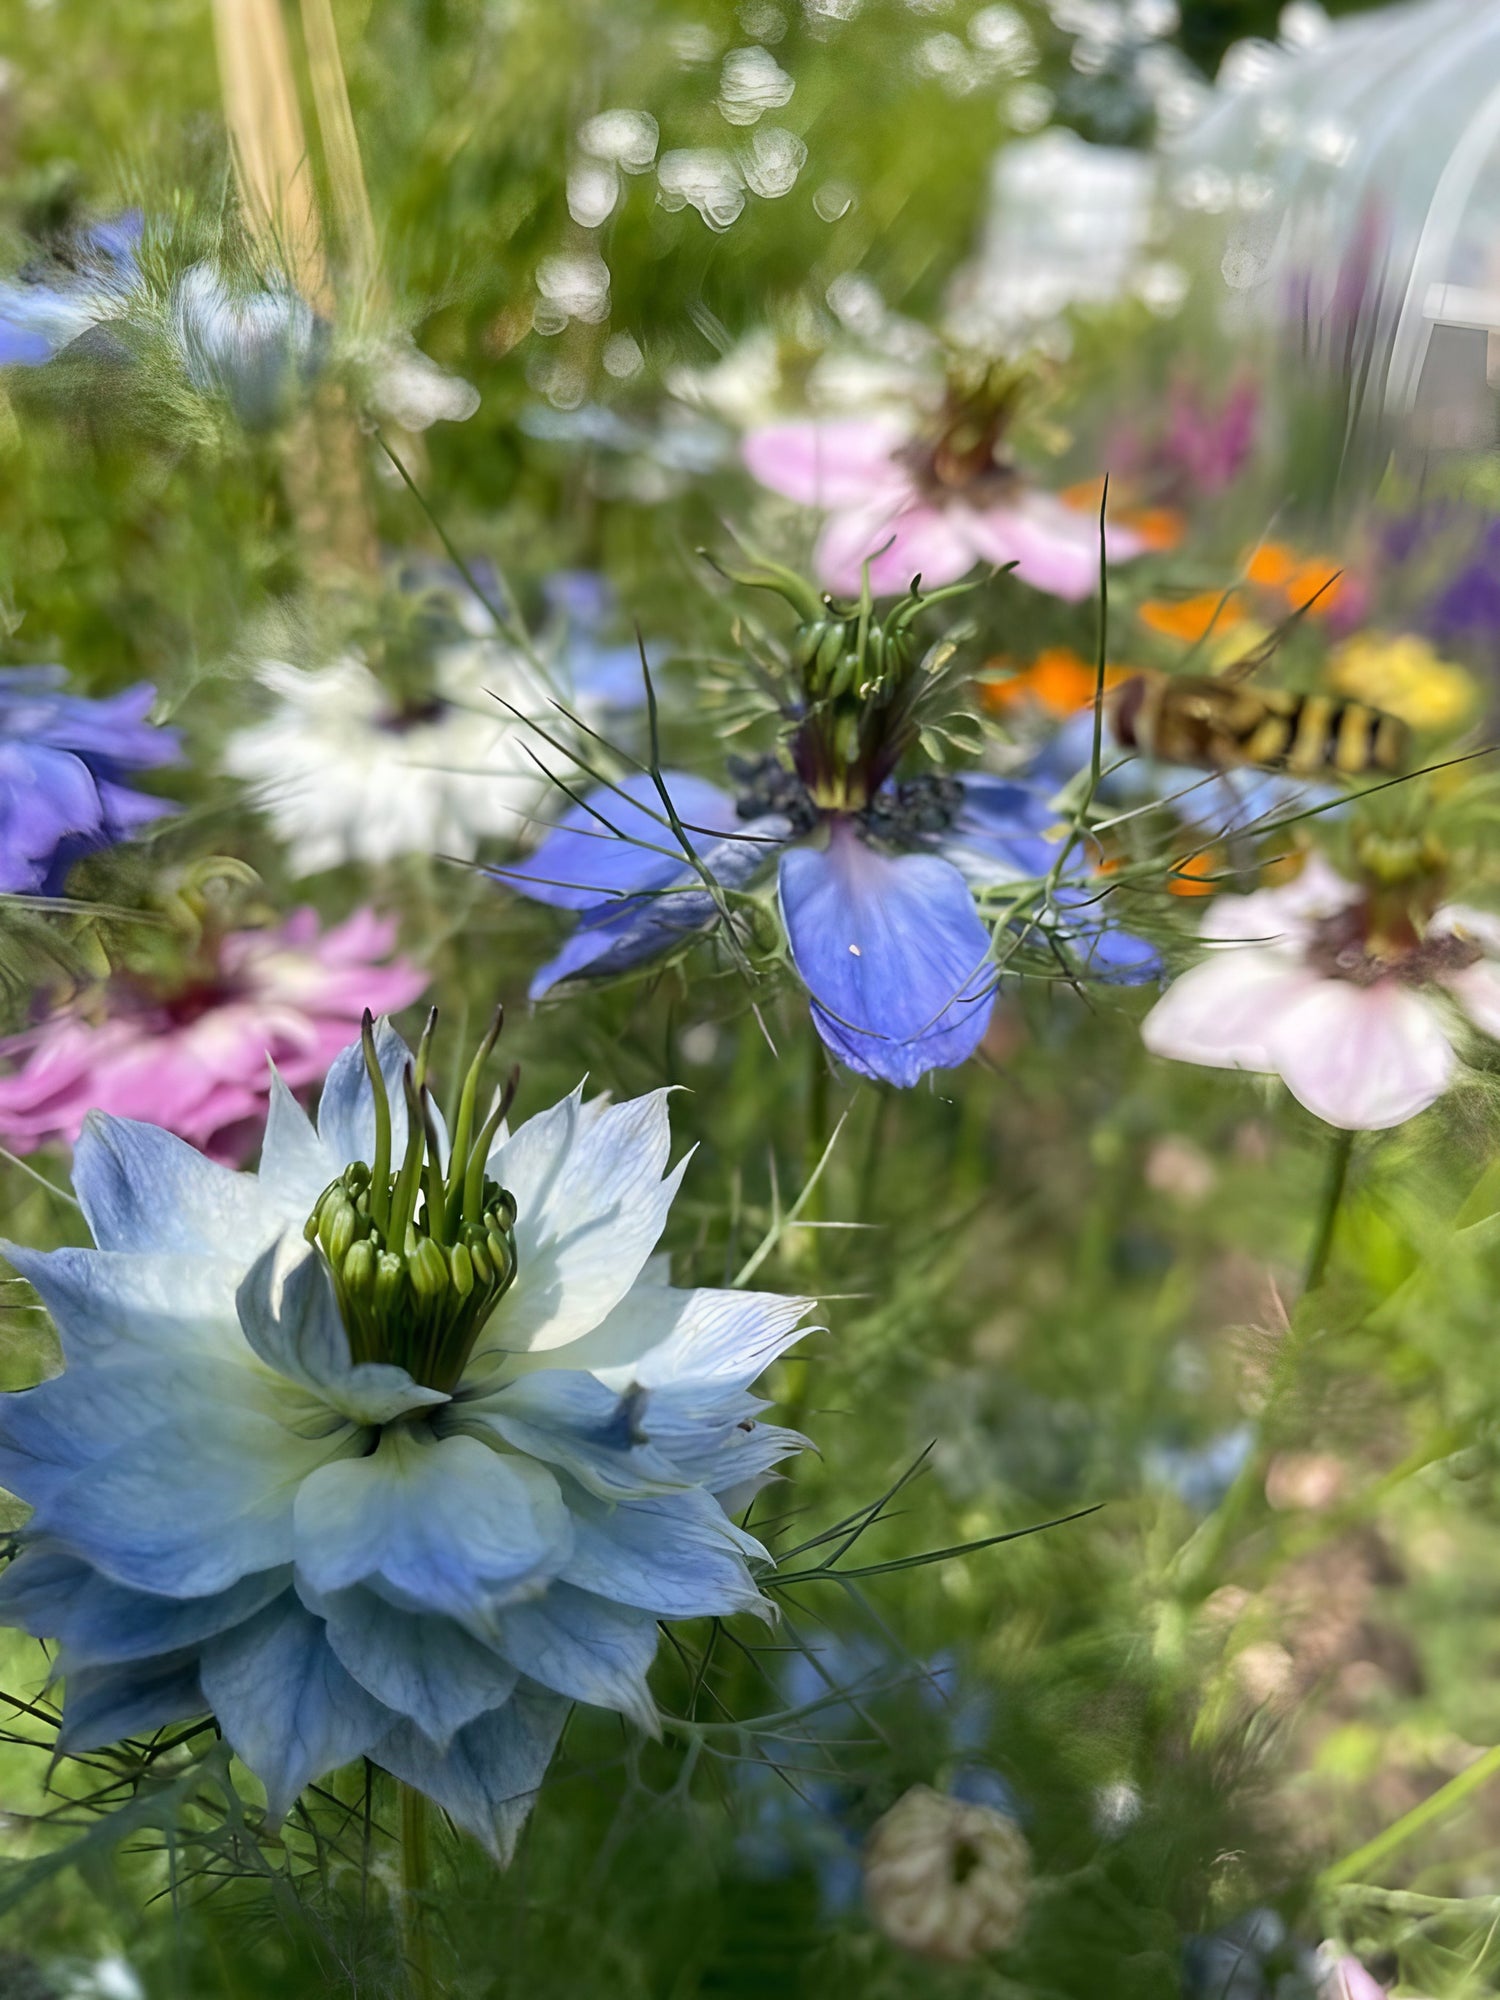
x: 1219, y: 724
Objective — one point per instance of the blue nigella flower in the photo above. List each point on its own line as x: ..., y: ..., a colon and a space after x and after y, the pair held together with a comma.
x: 392, y: 1449
x: 65, y: 762
x: 877, y: 875
x: 54, y: 301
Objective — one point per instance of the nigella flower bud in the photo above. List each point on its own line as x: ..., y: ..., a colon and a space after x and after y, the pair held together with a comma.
x: 945, y: 1878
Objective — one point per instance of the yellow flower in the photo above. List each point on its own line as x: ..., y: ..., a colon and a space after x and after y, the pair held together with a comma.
x: 1401, y: 673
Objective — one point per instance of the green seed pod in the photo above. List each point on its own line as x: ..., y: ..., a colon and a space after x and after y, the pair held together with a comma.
x: 461, y: 1269
x: 484, y: 1270
x: 338, y: 1230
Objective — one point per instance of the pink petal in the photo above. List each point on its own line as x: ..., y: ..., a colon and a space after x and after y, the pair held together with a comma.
x: 1477, y: 991
x: 835, y: 463
x: 1363, y: 1058
x: 922, y: 541
x: 1349, y: 1981
x: 1054, y: 548
x: 1221, y: 1012
x: 1284, y: 915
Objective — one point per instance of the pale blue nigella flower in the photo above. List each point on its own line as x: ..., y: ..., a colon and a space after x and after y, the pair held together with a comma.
x: 393, y: 1449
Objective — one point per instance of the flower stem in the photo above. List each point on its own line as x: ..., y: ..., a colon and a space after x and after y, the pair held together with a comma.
x: 416, y: 1890
x: 1437, y: 1805
x: 1328, y: 1215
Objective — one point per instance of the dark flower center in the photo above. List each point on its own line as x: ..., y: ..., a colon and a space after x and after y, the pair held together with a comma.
x: 1346, y: 946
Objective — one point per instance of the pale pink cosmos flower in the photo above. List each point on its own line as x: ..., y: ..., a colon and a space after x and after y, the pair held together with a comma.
x: 1359, y: 1026
x: 198, y: 1061
x: 886, y: 502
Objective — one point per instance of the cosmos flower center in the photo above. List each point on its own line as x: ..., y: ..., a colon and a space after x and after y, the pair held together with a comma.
x: 420, y: 1256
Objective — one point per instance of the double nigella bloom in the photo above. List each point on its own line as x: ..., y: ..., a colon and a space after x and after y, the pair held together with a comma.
x: 393, y: 1449
x: 412, y: 743
x: 891, y: 888
x: 914, y: 492
x: 66, y: 765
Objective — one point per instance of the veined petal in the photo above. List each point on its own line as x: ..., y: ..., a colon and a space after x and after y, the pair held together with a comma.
x: 288, y: 1708
x: 1362, y: 1058
x: 894, y: 957
x: 659, y: 1336
x: 678, y: 1557
x: 187, y: 1509
x: 1054, y: 547
x: 113, y: 1309
x: 346, y: 1109
x: 436, y: 1524
x: 429, y: 1669
x: 1221, y: 1012
x: 582, y: 1647
x: 291, y: 1318
x: 612, y: 937
x: 591, y: 1202
x: 103, y: 1704
x: 608, y: 848
x: 292, y: 1156
x: 567, y: 1418
x: 96, y: 1622
x: 141, y: 1188
x: 488, y: 1777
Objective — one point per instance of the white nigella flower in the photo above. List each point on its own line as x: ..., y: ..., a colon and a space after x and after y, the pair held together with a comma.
x: 1355, y: 1011
x: 393, y: 1449
x: 347, y: 772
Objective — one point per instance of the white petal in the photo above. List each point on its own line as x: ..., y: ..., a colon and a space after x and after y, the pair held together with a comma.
x: 1285, y: 914
x: 1221, y: 1012
x: 658, y: 1336
x: 591, y: 1202
x: 1362, y: 1057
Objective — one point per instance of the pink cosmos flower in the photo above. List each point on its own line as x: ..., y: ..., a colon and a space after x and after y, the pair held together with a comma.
x: 879, y: 484
x: 1359, y: 1022
x: 198, y: 1061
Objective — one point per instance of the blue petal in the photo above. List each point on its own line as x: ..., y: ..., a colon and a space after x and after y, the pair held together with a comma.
x: 102, y: 1704
x: 437, y: 1524
x: 346, y: 1110
x: 679, y: 1557
x: 111, y: 1307
x: 428, y: 1669
x: 488, y: 1777
x: 292, y: 1156
x: 567, y: 1418
x: 96, y: 1622
x: 591, y: 856
x: 894, y: 957
x: 288, y: 1708
x: 141, y: 1188
x: 1001, y: 830
x: 612, y: 937
x: 290, y: 1316
x: 582, y: 1647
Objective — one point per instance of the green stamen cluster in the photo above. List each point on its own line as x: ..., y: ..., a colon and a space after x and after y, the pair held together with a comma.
x: 862, y: 685
x: 419, y: 1257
